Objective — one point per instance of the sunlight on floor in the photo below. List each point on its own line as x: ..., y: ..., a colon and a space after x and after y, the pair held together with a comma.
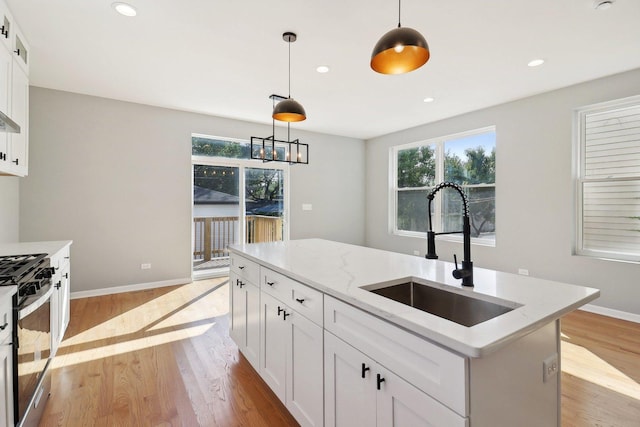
x: 171, y: 317
x: 582, y: 363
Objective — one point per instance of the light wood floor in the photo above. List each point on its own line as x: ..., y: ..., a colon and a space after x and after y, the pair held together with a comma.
x: 163, y: 357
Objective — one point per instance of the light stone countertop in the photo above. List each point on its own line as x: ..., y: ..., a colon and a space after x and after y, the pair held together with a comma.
x: 339, y: 270
x: 26, y: 248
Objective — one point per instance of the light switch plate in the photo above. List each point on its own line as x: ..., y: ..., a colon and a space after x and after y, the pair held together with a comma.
x: 307, y: 206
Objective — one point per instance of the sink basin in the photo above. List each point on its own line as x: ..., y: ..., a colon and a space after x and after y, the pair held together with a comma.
x: 448, y: 304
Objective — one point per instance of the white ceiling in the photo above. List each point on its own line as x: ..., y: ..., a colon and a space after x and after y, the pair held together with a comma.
x: 225, y: 57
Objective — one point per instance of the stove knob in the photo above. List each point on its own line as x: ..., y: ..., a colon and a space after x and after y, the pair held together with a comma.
x: 44, y: 274
x: 30, y: 289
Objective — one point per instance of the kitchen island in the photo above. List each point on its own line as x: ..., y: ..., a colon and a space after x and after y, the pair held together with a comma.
x: 500, y: 371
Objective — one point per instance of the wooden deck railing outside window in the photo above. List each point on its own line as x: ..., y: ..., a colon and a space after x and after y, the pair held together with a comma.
x: 214, y: 234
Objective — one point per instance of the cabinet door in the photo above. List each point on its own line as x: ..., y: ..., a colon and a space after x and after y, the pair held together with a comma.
x: 238, y: 305
x: 349, y: 385
x: 6, y: 384
x: 18, y: 142
x: 65, y: 277
x: 5, y: 102
x: 273, y: 357
x: 304, y: 370
x: 399, y: 404
x: 252, y: 322
x: 55, y: 312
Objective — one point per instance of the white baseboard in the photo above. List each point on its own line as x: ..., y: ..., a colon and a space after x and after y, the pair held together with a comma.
x: 610, y: 312
x: 129, y: 288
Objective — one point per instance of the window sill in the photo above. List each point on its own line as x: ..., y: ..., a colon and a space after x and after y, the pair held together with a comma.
x: 447, y: 238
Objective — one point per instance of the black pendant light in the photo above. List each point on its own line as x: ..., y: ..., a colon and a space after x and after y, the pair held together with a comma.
x: 289, y: 110
x: 400, y: 51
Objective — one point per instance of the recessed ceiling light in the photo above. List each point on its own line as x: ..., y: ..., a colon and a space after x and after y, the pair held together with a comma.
x: 322, y: 69
x: 602, y: 4
x: 536, y: 63
x: 124, y: 9
x: 428, y: 99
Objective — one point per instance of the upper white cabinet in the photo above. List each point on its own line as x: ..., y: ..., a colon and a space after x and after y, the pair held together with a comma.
x: 6, y: 26
x: 6, y: 64
x: 14, y: 95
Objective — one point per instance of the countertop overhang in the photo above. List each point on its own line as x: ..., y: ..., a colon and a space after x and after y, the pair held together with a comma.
x: 340, y: 270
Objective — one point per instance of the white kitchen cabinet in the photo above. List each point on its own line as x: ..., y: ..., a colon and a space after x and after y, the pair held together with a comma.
x: 19, y: 142
x: 349, y: 386
x: 6, y: 26
x: 6, y: 383
x: 60, y: 299
x: 359, y: 391
x: 14, y: 95
x: 21, y: 50
x: 6, y: 366
x: 6, y: 64
x: 245, y: 317
x: 292, y: 359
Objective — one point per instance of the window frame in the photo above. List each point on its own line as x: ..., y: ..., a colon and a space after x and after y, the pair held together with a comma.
x: 579, y: 179
x: 439, y: 143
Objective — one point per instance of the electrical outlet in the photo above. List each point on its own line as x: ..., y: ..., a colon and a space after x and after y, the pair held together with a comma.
x: 307, y: 207
x: 417, y: 253
x: 145, y: 266
x: 550, y: 367
x: 523, y: 271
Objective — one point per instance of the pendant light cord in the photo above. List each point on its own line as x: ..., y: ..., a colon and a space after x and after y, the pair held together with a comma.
x: 289, y: 41
x: 398, y: 13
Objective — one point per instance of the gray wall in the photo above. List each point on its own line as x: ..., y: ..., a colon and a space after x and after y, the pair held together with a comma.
x: 115, y: 178
x: 9, y: 209
x: 534, y: 197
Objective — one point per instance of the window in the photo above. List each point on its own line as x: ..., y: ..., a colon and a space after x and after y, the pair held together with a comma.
x: 202, y: 145
x: 235, y: 200
x: 608, y: 180
x: 467, y: 159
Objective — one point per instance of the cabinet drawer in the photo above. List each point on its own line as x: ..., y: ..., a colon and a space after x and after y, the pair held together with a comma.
x: 246, y: 269
x: 6, y: 319
x: 301, y: 298
x: 432, y: 369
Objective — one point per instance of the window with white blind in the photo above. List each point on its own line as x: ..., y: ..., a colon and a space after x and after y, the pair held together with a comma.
x: 608, y: 180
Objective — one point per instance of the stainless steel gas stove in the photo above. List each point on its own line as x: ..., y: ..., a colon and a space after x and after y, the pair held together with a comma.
x: 31, y: 332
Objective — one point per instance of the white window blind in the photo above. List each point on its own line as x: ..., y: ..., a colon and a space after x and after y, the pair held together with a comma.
x: 610, y: 182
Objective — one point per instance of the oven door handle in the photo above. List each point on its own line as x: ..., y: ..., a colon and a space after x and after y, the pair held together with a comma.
x: 24, y: 311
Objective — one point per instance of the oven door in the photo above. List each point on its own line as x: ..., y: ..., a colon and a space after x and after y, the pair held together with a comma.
x: 34, y: 349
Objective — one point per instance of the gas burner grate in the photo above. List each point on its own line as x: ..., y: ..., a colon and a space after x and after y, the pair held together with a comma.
x: 14, y: 267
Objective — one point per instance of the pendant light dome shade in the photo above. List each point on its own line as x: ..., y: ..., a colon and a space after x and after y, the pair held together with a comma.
x: 289, y: 110
x: 400, y: 51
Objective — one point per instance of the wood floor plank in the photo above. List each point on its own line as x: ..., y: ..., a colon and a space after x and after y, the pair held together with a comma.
x: 600, y: 371
x: 160, y: 357
x: 163, y: 357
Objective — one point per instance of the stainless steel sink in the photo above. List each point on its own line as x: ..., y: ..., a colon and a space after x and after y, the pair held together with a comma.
x: 448, y: 304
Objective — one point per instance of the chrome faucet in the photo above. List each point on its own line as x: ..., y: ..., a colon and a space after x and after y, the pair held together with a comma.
x: 466, y: 272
